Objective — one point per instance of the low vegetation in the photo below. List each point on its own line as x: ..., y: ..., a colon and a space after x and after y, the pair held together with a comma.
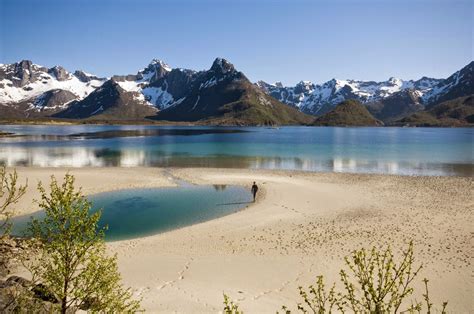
x: 348, y: 113
x: 373, y: 283
x: 10, y: 193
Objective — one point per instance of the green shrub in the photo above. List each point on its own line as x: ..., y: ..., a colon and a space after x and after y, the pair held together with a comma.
x: 230, y: 307
x: 374, y: 283
x: 10, y: 193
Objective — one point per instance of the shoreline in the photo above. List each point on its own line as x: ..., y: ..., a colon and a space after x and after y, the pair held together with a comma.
x: 301, y: 226
x: 204, y: 123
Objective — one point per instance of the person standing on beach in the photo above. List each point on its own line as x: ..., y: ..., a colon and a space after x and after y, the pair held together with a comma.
x: 254, y: 190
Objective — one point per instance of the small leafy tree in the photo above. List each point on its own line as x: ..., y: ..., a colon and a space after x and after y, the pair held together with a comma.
x: 10, y: 193
x: 382, y: 284
x: 73, y: 270
x: 376, y: 283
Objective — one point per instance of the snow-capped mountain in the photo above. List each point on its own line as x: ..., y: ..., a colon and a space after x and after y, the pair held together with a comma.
x: 457, y: 85
x: 163, y: 86
x: 221, y: 93
x: 318, y: 99
x: 38, y: 88
x: 28, y: 90
x: 145, y: 83
x: 206, y: 90
x: 109, y: 101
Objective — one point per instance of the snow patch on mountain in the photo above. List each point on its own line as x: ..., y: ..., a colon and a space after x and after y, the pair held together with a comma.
x: 130, y: 86
x: 462, y: 79
x: 196, y: 103
x: 155, y: 96
x: 158, y: 97
x: 160, y: 63
x: 37, y: 80
x: 100, y: 109
x: 142, y: 83
x: 10, y: 93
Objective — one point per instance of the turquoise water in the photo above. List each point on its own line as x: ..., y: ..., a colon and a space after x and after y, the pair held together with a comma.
x: 136, y: 213
x: 408, y: 151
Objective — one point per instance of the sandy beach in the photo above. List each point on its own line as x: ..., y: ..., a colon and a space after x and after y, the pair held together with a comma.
x: 301, y: 226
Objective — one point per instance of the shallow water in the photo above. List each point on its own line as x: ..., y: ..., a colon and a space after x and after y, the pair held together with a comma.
x: 136, y: 213
x: 407, y: 151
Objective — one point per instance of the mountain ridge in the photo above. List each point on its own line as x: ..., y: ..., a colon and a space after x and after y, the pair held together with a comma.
x: 389, y: 100
x: 454, y: 112
x: 28, y: 90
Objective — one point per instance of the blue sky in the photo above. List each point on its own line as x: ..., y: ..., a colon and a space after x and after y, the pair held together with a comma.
x: 270, y: 40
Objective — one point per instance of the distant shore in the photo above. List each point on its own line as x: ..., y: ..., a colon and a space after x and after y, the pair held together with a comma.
x: 302, y: 225
x: 47, y: 121
x: 210, y: 123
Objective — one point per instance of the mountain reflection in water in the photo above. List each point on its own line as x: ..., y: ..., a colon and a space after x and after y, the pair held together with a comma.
x: 87, y: 157
x: 406, y: 151
x: 118, y: 133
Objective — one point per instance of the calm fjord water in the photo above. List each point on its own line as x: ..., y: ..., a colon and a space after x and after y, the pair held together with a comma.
x: 409, y: 151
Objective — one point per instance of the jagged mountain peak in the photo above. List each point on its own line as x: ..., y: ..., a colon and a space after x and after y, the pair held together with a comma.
x: 155, y: 70
x: 25, y: 64
x: 221, y: 65
x: 300, y: 83
x: 86, y: 77
x: 157, y: 63
x: 59, y: 72
x: 303, y: 87
x: 395, y: 81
